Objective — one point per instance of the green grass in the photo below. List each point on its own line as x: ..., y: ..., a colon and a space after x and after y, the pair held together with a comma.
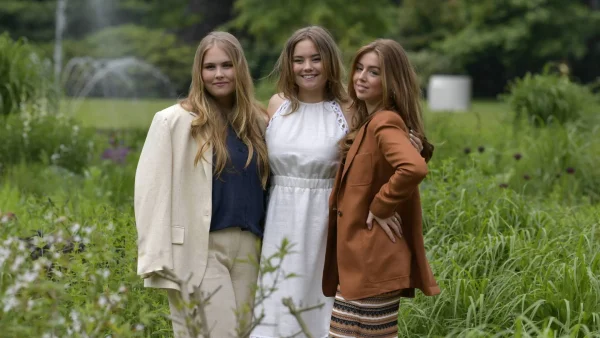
x: 514, y: 256
x: 129, y: 113
x: 114, y: 113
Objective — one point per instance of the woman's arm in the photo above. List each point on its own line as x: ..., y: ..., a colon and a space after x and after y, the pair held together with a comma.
x: 152, y: 200
x: 410, y: 168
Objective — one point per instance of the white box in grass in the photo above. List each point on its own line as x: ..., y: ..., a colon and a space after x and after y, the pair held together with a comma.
x: 449, y: 93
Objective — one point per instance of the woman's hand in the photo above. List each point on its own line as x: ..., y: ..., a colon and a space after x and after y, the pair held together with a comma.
x: 415, y: 141
x: 393, y: 223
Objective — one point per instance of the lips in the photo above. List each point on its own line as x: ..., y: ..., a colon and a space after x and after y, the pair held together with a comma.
x: 360, y: 88
x: 220, y: 84
x: 309, y: 76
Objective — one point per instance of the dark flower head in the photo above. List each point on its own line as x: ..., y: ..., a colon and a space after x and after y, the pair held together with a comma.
x: 467, y: 150
x: 517, y: 156
x: 570, y: 170
x: 503, y: 185
x: 526, y: 177
x: 481, y: 149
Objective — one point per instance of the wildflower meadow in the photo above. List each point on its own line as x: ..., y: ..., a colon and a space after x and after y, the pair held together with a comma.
x: 511, y: 219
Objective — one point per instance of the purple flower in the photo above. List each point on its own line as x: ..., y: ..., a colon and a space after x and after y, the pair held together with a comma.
x: 570, y: 170
x: 526, y: 177
x: 467, y: 150
x: 481, y: 149
x: 503, y: 185
x: 117, y: 155
x: 517, y: 156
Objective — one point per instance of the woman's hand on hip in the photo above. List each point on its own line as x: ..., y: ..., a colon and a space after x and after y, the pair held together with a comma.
x: 389, y: 225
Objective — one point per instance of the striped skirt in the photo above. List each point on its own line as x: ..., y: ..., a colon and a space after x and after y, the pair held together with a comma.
x: 373, y: 317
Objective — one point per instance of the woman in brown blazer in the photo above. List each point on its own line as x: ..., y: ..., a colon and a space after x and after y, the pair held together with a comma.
x: 374, y: 257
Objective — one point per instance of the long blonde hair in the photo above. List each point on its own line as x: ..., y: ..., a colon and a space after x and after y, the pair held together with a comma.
x: 401, y: 91
x: 210, y: 125
x: 331, y: 57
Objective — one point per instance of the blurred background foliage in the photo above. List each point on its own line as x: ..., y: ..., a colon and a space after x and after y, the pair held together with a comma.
x: 492, y: 41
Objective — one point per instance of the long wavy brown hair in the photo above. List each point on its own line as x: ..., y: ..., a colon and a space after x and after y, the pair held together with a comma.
x: 210, y: 125
x: 401, y: 92
x: 331, y: 57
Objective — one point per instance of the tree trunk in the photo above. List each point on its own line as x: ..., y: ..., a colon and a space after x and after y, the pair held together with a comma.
x: 212, y: 15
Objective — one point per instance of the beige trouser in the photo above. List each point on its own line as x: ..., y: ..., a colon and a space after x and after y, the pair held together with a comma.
x: 226, y: 248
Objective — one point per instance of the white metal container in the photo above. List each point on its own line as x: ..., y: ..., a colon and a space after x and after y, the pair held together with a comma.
x: 449, y: 93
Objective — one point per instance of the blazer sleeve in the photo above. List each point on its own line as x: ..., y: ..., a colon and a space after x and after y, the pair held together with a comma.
x: 152, y: 200
x: 410, y: 168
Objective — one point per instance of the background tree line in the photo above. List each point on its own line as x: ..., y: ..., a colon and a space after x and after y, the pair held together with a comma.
x: 493, y: 41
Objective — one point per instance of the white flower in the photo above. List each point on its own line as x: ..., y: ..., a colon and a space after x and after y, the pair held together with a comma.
x: 17, y: 263
x: 122, y: 289
x: 29, y: 277
x: 30, y: 304
x: 102, y: 301
x: 48, y: 216
x: 55, y: 157
x: 77, y: 238
x: 75, y: 228
x: 115, y: 298
x: 61, y: 219
x: 110, y: 226
x: 10, y: 303
x: 139, y: 327
x: 88, y: 230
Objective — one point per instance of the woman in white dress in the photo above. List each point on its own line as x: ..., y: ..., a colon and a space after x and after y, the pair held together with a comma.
x: 307, y: 119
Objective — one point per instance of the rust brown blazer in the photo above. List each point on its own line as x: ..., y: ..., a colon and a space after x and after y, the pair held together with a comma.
x: 381, y: 173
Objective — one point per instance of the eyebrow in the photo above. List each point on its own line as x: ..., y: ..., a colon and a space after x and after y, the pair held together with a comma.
x: 215, y: 63
x: 312, y: 56
x: 372, y: 67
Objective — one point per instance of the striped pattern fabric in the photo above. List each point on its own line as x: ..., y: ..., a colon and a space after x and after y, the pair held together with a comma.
x: 373, y: 317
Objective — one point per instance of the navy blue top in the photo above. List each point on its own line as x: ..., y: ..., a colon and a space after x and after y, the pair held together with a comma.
x: 238, y: 199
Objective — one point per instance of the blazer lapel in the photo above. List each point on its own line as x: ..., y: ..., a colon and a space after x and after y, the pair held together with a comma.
x: 353, y: 149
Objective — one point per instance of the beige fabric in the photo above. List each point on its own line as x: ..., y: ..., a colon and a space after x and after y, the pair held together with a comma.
x: 172, y: 201
x: 226, y: 248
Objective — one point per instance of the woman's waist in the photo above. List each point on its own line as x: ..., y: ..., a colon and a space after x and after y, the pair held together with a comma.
x: 302, y: 182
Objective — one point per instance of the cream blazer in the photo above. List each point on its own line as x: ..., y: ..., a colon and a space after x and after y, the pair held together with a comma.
x: 172, y: 201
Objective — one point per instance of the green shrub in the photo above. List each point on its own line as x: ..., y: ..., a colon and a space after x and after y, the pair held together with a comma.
x: 545, y: 98
x: 33, y: 136
x: 24, y: 76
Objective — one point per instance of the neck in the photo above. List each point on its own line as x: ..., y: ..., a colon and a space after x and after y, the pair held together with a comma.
x: 311, y: 96
x: 372, y: 107
x: 225, y: 104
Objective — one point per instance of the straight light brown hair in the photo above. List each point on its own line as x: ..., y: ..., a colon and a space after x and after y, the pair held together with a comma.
x: 401, y: 92
x: 331, y: 59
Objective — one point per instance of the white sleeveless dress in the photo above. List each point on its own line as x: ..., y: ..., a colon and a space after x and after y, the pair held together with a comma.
x: 303, y: 154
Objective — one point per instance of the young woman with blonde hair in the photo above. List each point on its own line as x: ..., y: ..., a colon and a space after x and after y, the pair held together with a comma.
x: 307, y: 119
x: 200, y: 187
x: 371, y: 261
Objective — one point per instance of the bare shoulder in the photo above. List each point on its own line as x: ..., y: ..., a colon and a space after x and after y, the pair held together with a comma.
x: 348, y: 110
x: 274, y: 103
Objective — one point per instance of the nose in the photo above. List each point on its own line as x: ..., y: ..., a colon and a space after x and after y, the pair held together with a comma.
x: 308, y: 65
x: 219, y: 73
x: 362, y: 75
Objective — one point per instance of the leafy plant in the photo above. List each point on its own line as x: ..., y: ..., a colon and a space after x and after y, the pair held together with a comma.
x: 546, y: 98
x: 25, y: 77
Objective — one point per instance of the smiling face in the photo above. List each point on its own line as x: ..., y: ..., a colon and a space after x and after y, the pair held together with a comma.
x: 366, y: 78
x: 308, y: 67
x: 218, y: 74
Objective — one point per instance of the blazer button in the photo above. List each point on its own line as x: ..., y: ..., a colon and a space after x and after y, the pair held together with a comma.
x: 340, y: 213
x: 334, y: 209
